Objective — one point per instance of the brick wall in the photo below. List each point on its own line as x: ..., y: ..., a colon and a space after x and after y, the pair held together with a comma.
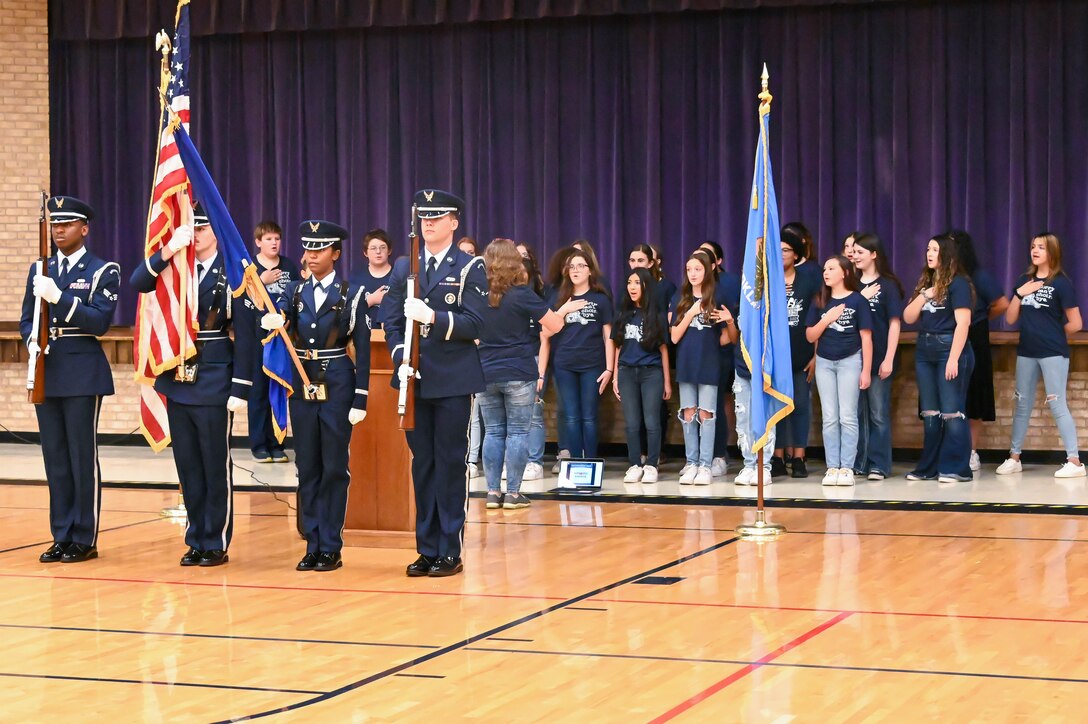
x: 24, y: 140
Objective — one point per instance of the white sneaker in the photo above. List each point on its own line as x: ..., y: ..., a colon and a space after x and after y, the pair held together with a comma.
x: 845, y: 477
x: 831, y: 477
x: 474, y: 471
x: 1070, y: 470
x: 649, y: 474
x: 1009, y: 467
x: 684, y: 469
x: 563, y: 455
x: 718, y: 467
x: 975, y: 463
x: 767, y: 479
x: 703, y: 476
x: 747, y: 476
x: 687, y: 477
x: 633, y: 474
x: 533, y: 471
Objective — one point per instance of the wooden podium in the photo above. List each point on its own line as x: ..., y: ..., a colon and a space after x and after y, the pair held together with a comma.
x: 381, y: 504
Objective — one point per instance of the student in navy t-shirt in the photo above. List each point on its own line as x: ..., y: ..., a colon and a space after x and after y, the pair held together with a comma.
x: 642, y: 380
x: 841, y: 327
x: 699, y: 328
x: 649, y: 257
x: 885, y: 296
x: 727, y: 293
x: 990, y: 303
x: 1045, y: 305
x: 581, y: 353
x: 802, y: 291
x: 510, y: 327
x: 943, y: 359
x: 276, y: 272
x: 374, y: 277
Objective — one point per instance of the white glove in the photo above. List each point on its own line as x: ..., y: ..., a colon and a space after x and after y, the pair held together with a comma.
x: 405, y: 373
x: 33, y: 348
x: 46, y: 288
x: 416, y: 309
x: 272, y: 321
x: 355, y: 416
x: 236, y: 404
x: 183, y: 236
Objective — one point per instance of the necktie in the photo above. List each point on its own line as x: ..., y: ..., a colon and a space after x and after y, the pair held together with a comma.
x: 432, y: 267
x: 63, y: 268
x: 199, y: 274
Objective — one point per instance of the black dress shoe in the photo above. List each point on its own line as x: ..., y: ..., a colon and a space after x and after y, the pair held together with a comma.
x: 192, y: 557
x: 421, y: 567
x: 328, y: 562
x: 308, y: 562
x: 213, y: 558
x: 446, y: 566
x: 53, y: 553
x: 78, y: 552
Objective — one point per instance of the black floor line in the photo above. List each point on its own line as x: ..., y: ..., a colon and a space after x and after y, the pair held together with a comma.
x: 182, y: 634
x: 128, y: 485
x: 483, y: 635
x: 42, y: 544
x: 105, y: 680
x: 739, y: 662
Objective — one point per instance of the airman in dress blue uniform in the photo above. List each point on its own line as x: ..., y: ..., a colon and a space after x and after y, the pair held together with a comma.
x: 81, y: 293
x: 451, y: 296
x: 203, y: 394
x: 322, y: 314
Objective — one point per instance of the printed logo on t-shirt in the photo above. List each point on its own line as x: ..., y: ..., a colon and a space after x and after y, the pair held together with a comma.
x: 932, y: 307
x: 795, y: 309
x: 585, y: 315
x: 701, y: 322
x: 633, y: 331
x: 845, y: 322
x: 1040, y: 298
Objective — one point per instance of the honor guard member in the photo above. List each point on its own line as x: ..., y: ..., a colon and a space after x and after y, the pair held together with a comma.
x: 203, y: 393
x: 323, y: 313
x: 81, y: 293
x: 451, y: 293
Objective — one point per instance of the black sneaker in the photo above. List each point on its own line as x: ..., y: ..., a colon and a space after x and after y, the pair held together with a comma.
x: 494, y: 500
x: 262, y: 456
x: 800, y: 470
x: 513, y: 501
x: 778, y: 467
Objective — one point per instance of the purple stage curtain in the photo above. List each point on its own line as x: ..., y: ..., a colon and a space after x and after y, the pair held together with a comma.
x: 901, y: 119
x: 113, y: 19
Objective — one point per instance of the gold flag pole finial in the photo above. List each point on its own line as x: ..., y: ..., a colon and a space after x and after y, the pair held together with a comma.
x: 765, y: 94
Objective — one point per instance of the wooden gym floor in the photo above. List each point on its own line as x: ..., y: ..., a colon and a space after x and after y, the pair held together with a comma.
x: 566, y: 612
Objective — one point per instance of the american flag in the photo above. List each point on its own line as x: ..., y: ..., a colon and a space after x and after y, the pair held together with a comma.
x: 166, y: 321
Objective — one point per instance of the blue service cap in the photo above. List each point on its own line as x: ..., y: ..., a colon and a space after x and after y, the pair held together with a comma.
x: 317, y: 234
x: 200, y: 218
x: 63, y: 209
x: 433, y: 203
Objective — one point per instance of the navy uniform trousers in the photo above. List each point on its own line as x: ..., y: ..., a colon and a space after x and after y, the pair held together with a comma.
x: 200, y: 437
x: 77, y: 376
x: 439, y: 446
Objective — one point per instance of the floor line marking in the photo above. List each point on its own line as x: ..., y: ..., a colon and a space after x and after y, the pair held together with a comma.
x: 749, y: 668
x: 181, y: 634
x: 483, y: 635
x: 57, y: 677
x: 101, y: 530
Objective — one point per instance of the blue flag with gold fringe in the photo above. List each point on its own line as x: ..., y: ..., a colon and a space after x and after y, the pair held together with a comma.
x: 764, y: 329
x: 242, y: 275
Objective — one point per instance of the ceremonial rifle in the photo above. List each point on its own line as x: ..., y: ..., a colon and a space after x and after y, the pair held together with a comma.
x: 35, y: 376
x: 406, y: 397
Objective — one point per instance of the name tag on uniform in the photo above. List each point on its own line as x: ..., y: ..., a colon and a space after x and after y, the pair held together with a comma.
x: 78, y: 285
x: 315, y: 392
x: 186, y: 373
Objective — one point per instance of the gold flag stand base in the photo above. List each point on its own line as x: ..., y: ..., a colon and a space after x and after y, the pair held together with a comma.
x: 761, y: 530
x: 175, y: 512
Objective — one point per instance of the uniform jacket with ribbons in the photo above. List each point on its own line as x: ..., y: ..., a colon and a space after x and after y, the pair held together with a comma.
x: 75, y: 364
x: 224, y: 368
x: 449, y: 363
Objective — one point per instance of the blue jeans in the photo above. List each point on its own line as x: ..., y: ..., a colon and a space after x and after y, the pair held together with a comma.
x: 579, y: 400
x: 742, y: 396
x: 507, y: 408
x: 946, y: 440
x: 793, y: 430
x: 536, y: 428
x: 640, y: 396
x: 475, y: 433
x: 875, y: 427
x: 1055, y: 372
x: 837, y: 381
x: 699, y: 434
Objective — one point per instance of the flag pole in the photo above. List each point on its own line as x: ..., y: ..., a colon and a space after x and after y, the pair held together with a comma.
x: 761, y: 530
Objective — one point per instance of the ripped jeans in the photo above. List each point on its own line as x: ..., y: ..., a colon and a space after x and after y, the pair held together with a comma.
x: 1055, y: 373
x: 699, y: 433
x: 946, y: 441
x: 742, y: 396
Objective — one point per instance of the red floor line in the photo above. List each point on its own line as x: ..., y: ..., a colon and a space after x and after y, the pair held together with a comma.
x: 742, y: 672
x: 281, y: 588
